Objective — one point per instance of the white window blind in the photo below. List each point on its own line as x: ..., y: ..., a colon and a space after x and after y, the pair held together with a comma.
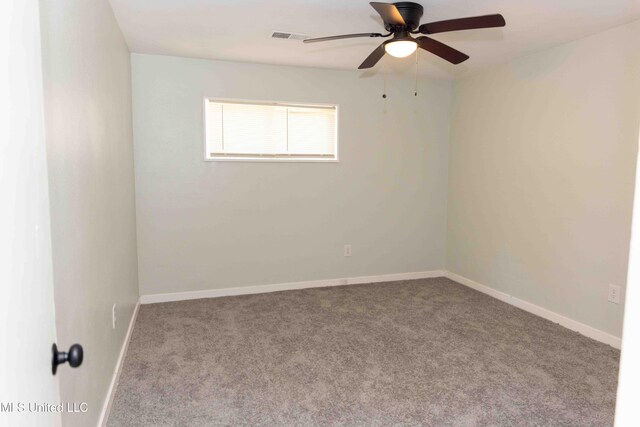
x: 237, y: 130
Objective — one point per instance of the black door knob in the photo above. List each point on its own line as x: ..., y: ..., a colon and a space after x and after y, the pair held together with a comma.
x: 73, y: 356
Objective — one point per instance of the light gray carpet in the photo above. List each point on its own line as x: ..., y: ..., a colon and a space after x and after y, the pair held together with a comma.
x: 422, y: 352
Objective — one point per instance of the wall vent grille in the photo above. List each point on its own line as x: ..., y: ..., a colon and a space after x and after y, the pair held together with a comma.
x: 289, y: 36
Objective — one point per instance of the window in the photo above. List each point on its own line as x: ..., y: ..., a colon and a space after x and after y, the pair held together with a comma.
x: 238, y: 130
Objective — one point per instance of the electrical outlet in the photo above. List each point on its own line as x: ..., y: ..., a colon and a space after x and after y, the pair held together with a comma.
x: 113, y: 316
x: 614, y: 294
x: 347, y: 250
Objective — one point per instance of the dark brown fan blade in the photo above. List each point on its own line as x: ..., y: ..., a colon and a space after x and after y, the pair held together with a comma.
x: 344, y: 36
x: 388, y: 12
x: 485, y: 21
x: 374, y: 57
x: 442, y: 50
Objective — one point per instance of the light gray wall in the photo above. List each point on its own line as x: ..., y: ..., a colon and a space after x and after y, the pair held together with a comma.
x: 542, y: 163
x: 87, y: 84
x: 207, y: 225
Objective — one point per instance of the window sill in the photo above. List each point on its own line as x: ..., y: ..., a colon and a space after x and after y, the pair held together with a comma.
x: 272, y: 160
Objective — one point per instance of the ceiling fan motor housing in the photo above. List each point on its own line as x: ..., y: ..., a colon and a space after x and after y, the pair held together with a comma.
x: 411, y: 13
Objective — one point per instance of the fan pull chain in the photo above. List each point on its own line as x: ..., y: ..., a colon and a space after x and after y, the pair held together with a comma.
x: 415, y: 93
x: 384, y: 73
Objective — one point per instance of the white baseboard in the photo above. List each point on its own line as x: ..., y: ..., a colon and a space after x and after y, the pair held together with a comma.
x: 259, y: 289
x: 106, y: 408
x: 568, y: 323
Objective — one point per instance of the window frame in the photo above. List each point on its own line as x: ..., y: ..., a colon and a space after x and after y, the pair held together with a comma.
x: 207, y: 158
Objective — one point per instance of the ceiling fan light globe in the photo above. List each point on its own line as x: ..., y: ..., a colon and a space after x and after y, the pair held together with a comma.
x: 401, y: 48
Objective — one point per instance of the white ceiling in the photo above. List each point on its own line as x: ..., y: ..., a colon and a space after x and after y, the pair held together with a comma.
x: 240, y: 30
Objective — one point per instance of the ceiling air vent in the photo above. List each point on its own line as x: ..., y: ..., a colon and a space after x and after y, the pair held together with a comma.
x: 290, y: 36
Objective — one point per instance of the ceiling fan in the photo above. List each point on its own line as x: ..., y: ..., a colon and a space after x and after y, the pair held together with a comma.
x: 403, y: 19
